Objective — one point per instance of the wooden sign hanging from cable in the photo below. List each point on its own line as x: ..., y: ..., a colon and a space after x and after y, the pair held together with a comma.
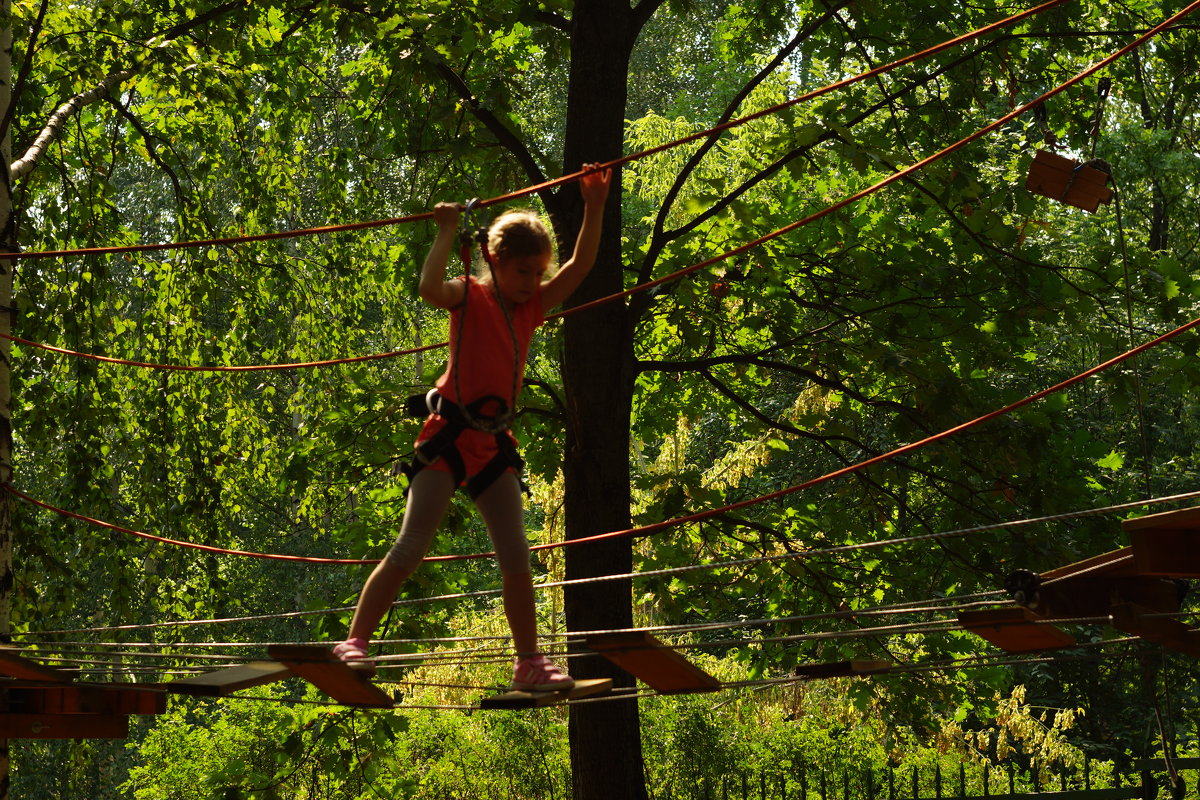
x: 1075, y: 183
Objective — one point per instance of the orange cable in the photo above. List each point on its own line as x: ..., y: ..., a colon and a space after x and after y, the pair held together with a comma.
x: 227, y: 368
x: 353, y: 226
x: 697, y: 517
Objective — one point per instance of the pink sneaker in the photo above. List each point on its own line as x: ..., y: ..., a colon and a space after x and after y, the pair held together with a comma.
x: 353, y: 652
x: 537, y: 673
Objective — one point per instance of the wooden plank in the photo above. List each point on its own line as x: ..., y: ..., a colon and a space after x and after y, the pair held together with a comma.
x: 1014, y: 629
x: 320, y: 667
x: 1112, y: 563
x: 1148, y: 624
x: 516, y: 698
x: 1166, y: 545
x: 652, y: 662
x: 1068, y: 181
x: 1180, y: 519
x: 225, y: 682
x: 63, y: 726
x: 840, y: 669
x: 15, y: 665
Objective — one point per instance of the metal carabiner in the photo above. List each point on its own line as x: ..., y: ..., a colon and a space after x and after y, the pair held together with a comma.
x: 467, y: 235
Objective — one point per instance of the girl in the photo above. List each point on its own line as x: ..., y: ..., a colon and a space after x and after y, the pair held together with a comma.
x: 465, y: 440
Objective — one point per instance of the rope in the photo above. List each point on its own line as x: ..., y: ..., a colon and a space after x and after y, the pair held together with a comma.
x: 504, y: 198
x: 8, y: 487
x: 546, y: 185
x: 228, y: 368
x: 655, y: 527
x: 896, y: 176
x: 654, y: 573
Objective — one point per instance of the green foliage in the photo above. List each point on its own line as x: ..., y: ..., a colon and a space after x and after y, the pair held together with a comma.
x: 924, y: 306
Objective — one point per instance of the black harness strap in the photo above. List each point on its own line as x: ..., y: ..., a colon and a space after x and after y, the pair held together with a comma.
x: 443, y: 444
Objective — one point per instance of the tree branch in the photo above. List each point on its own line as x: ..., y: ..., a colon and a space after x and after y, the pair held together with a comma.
x: 26, y: 67
x: 151, y: 148
x: 54, y: 125
x: 507, y: 138
x: 695, y: 159
x: 25, y: 164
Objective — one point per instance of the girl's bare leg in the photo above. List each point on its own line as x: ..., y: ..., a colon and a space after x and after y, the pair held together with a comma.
x: 428, y: 498
x: 503, y: 510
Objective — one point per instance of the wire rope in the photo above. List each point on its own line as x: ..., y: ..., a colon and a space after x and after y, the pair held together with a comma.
x: 627, y: 576
x: 546, y: 185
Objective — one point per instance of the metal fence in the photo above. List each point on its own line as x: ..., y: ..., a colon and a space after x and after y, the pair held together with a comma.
x: 1143, y: 780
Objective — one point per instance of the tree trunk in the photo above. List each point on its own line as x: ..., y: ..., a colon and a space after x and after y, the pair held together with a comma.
x: 8, y: 221
x: 606, y: 752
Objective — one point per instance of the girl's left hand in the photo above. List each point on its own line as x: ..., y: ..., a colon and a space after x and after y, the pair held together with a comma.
x: 594, y: 185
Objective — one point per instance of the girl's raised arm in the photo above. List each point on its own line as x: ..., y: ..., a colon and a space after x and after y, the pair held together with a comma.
x: 434, y: 288
x: 594, y: 188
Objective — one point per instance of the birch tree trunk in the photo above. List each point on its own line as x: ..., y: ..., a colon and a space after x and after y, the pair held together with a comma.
x: 9, y: 245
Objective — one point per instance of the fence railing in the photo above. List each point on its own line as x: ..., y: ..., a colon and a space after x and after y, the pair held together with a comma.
x: 1146, y: 780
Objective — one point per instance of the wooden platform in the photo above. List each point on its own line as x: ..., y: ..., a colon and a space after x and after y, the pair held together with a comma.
x: 517, y: 698
x: 1068, y: 181
x: 1155, y: 627
x: 1135, y: 589
x: 224, y: 682
x: 47, y: 703
x: 14, y: 664
x: 1166, y: 545
x: 320, y: 667
x: 652, y: 662
x: 63, y: 726
x: 1015, y: 629
x: 112, y: 699
x: 842, y: 669
x: 1088, y: 588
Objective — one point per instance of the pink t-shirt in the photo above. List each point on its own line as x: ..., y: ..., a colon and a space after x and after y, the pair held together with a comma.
x: 486, y: 367
x: 485, y: 354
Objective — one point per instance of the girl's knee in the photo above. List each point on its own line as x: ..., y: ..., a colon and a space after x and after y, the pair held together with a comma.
x: 403, y: 556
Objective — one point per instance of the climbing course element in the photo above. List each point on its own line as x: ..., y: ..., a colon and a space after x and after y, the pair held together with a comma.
x: 842, y: 669
x: 1079, y: 184
x: 45, y: 703
x: 1015, y: 629
x: 1134, y: 589
x: 320, y: 667
x: 516, y: 698
x: 653, y: 662
x: 1166, y: 544
x: 232, y: 679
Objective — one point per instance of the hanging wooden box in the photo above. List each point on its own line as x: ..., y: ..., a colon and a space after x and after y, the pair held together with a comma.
x: 1068, y: 181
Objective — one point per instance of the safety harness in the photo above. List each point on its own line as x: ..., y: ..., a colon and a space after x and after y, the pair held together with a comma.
x: 488, y: 414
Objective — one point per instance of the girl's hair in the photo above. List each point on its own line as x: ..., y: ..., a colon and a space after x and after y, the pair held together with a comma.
x: 519, y: 233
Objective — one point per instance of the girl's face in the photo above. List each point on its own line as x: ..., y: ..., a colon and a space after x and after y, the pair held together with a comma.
x: 518, y: 277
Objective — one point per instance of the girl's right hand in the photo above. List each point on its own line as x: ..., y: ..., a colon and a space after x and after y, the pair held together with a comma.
x: 446, y: 215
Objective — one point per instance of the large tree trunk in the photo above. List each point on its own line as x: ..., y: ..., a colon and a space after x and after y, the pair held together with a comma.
x: 606, y: 752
